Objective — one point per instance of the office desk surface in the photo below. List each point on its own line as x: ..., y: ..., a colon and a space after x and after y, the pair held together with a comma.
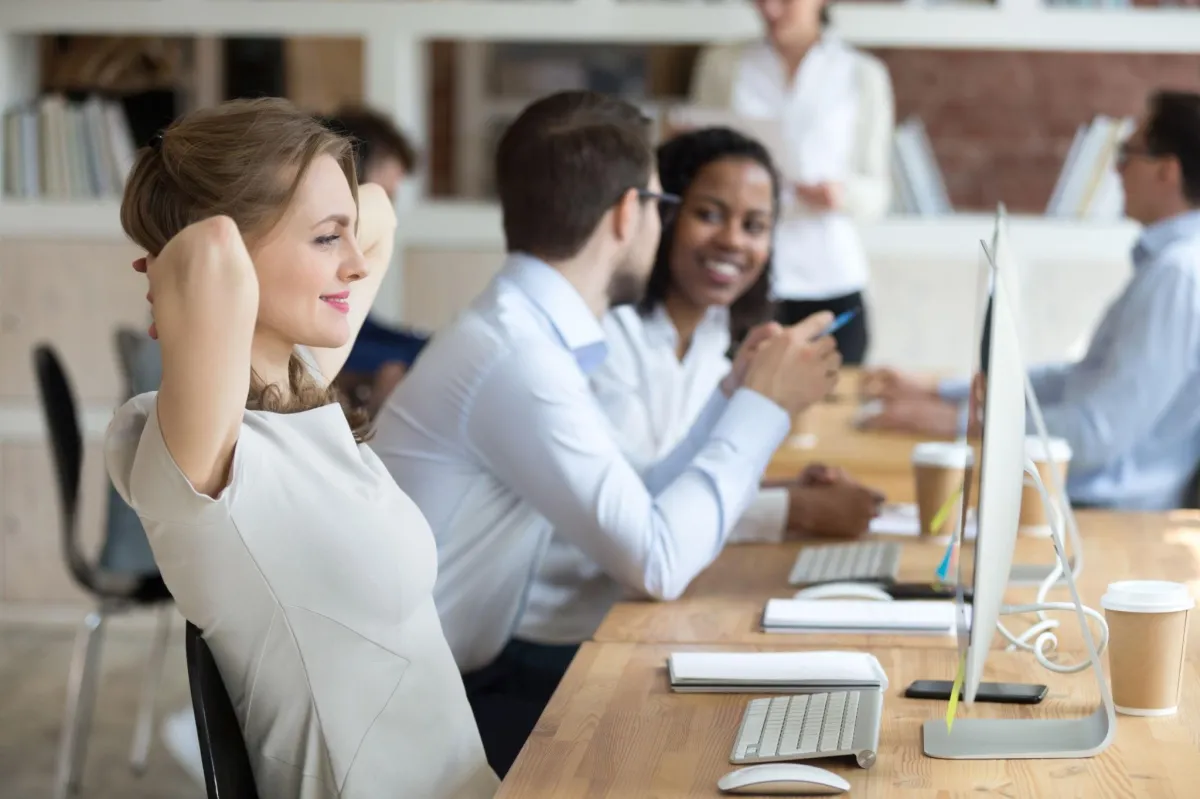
x: 724, y: 605
x: 882, y: 460
x: 615, y: 729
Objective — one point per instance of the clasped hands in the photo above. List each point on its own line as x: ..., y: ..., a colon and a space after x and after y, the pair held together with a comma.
x: 911, y: 404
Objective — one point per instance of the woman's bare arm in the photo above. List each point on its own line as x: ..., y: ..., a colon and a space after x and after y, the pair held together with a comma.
x: 205, y: 297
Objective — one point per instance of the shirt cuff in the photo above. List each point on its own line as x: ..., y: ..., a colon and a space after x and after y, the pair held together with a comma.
x: 954, y: 389
x: 752, y: 419
x: 765, y: 520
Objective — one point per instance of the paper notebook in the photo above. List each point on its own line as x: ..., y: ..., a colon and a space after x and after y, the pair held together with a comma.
x: 927, y: 617
x: 774, y: 672
x: 902, y: 519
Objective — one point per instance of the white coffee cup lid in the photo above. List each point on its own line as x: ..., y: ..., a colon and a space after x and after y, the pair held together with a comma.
x: 946, y: 454
x: 1036, y: 450
x: 1147, y: 596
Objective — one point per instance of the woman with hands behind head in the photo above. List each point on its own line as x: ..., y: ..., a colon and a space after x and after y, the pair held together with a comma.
x: 279, y: 536
x: 709, y: 286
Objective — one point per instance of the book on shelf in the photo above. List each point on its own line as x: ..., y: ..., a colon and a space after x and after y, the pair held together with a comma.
x: 1088, y: 186
x: 917, y: 184
x: 56, y: 149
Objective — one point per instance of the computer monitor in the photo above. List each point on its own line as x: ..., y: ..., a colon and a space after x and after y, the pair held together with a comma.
x: 1002, y: 465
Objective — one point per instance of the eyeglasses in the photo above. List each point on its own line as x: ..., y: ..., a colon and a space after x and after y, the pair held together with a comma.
x: 663, y: 197
x: 667, y: 202
x: 1129, y: 150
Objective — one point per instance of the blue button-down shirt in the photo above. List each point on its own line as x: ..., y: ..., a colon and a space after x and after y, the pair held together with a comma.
x: 1131, y: 408
x: 498, y: 438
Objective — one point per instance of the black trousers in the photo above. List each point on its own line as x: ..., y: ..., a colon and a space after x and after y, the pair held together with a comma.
x: 852, y: 340
x: 508, y: 696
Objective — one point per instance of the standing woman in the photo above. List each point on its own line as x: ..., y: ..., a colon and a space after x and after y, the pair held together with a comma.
x: 837, y: 113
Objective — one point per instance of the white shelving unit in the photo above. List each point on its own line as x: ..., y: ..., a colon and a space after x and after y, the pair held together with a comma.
x: 1011, y: 25
x: 395, y: 33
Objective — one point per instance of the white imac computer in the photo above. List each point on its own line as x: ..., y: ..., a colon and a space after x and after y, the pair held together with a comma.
x: 1003, y: 466
x: 1040, y: 574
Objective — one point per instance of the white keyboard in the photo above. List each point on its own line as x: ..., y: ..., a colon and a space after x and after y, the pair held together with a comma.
x: 804, y: 726
x: 858, y: 561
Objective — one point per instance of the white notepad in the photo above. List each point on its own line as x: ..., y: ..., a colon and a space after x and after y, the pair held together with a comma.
x: 928, y: 617
x: 902, y: 519
x: 778, y: 672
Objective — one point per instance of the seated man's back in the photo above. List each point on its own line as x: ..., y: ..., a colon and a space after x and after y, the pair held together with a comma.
x: 496, y: 434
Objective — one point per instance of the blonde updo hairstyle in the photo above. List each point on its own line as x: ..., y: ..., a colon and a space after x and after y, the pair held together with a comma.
x: 243, y: 159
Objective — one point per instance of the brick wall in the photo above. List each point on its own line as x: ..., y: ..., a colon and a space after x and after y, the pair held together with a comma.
x: 1001, y: 122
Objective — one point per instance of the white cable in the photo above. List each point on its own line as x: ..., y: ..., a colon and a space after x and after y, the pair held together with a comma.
x: 1043, y: 631
x: 1046, y: 639
x: 1053, y: 509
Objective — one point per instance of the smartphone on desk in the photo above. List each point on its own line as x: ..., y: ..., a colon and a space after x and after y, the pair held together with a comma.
x: 1009, y: 693
x: 902, y: 591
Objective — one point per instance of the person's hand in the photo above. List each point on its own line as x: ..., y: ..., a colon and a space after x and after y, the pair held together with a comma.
x: 975, y: 406
x: 889, y: 384
x: 820, y: 196
x: 841, y: 510
x: 745, y: 354
x: 376, y: 218
x: 140, y: 265
x: 923, y: 416
x: 205, y: 266
x: 795, y: 369
x: 818, y: 474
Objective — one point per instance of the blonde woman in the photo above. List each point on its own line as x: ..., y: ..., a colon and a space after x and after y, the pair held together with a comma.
x: 835, y: 106
x: 279, y: 535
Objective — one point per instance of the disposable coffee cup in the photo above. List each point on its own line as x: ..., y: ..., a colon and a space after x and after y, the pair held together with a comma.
x: 1034, y: 520
x: 1147, y: 638
x: 938, y: 469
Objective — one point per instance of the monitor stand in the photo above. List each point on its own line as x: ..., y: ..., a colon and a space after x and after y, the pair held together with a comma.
x: 1033, y: 739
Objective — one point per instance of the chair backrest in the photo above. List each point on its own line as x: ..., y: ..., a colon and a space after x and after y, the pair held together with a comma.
x: 227, y: 772
x: 66, y: 445
x: 141, y: 361
x: 126, y: 550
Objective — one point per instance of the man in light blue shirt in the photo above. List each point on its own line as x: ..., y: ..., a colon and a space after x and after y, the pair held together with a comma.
x: 498, y: 438
x: 1130, y: 409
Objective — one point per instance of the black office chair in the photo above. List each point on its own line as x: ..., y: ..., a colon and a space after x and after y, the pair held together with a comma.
x: 114, y: 590
x: 227, y: 773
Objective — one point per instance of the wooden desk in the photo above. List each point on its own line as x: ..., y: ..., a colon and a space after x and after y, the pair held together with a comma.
x: 724, y: 604
x: 615, y: 729
x: 882, y: 460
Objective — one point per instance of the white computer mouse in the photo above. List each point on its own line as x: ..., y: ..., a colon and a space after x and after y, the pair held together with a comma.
x: 844, y: 591
x: 783, y: 779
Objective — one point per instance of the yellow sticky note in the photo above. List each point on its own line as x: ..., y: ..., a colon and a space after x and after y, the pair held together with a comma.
x: 940, y: 517
x: 955, y: 691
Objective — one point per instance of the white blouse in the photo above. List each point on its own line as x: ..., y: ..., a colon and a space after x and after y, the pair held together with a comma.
x: 312, y: 577
x: 838, y: 116
x: 652, y: 399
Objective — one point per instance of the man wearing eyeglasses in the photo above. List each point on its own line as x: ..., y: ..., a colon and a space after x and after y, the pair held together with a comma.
x: 498, y: 438
x: 1129, y: 409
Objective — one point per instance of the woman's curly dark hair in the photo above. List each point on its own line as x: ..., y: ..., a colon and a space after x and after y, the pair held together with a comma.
x: 679, y: 161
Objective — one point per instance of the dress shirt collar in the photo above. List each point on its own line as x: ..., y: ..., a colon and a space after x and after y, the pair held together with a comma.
x: 714, y: 325
x: 1158, y: 236
x: 562, y: 305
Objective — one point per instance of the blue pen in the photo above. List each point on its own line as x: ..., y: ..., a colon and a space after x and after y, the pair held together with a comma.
x: 837, y: 324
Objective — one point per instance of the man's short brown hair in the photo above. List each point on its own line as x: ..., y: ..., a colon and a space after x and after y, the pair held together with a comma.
x: 375, y: 136
x: 562, y: 163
